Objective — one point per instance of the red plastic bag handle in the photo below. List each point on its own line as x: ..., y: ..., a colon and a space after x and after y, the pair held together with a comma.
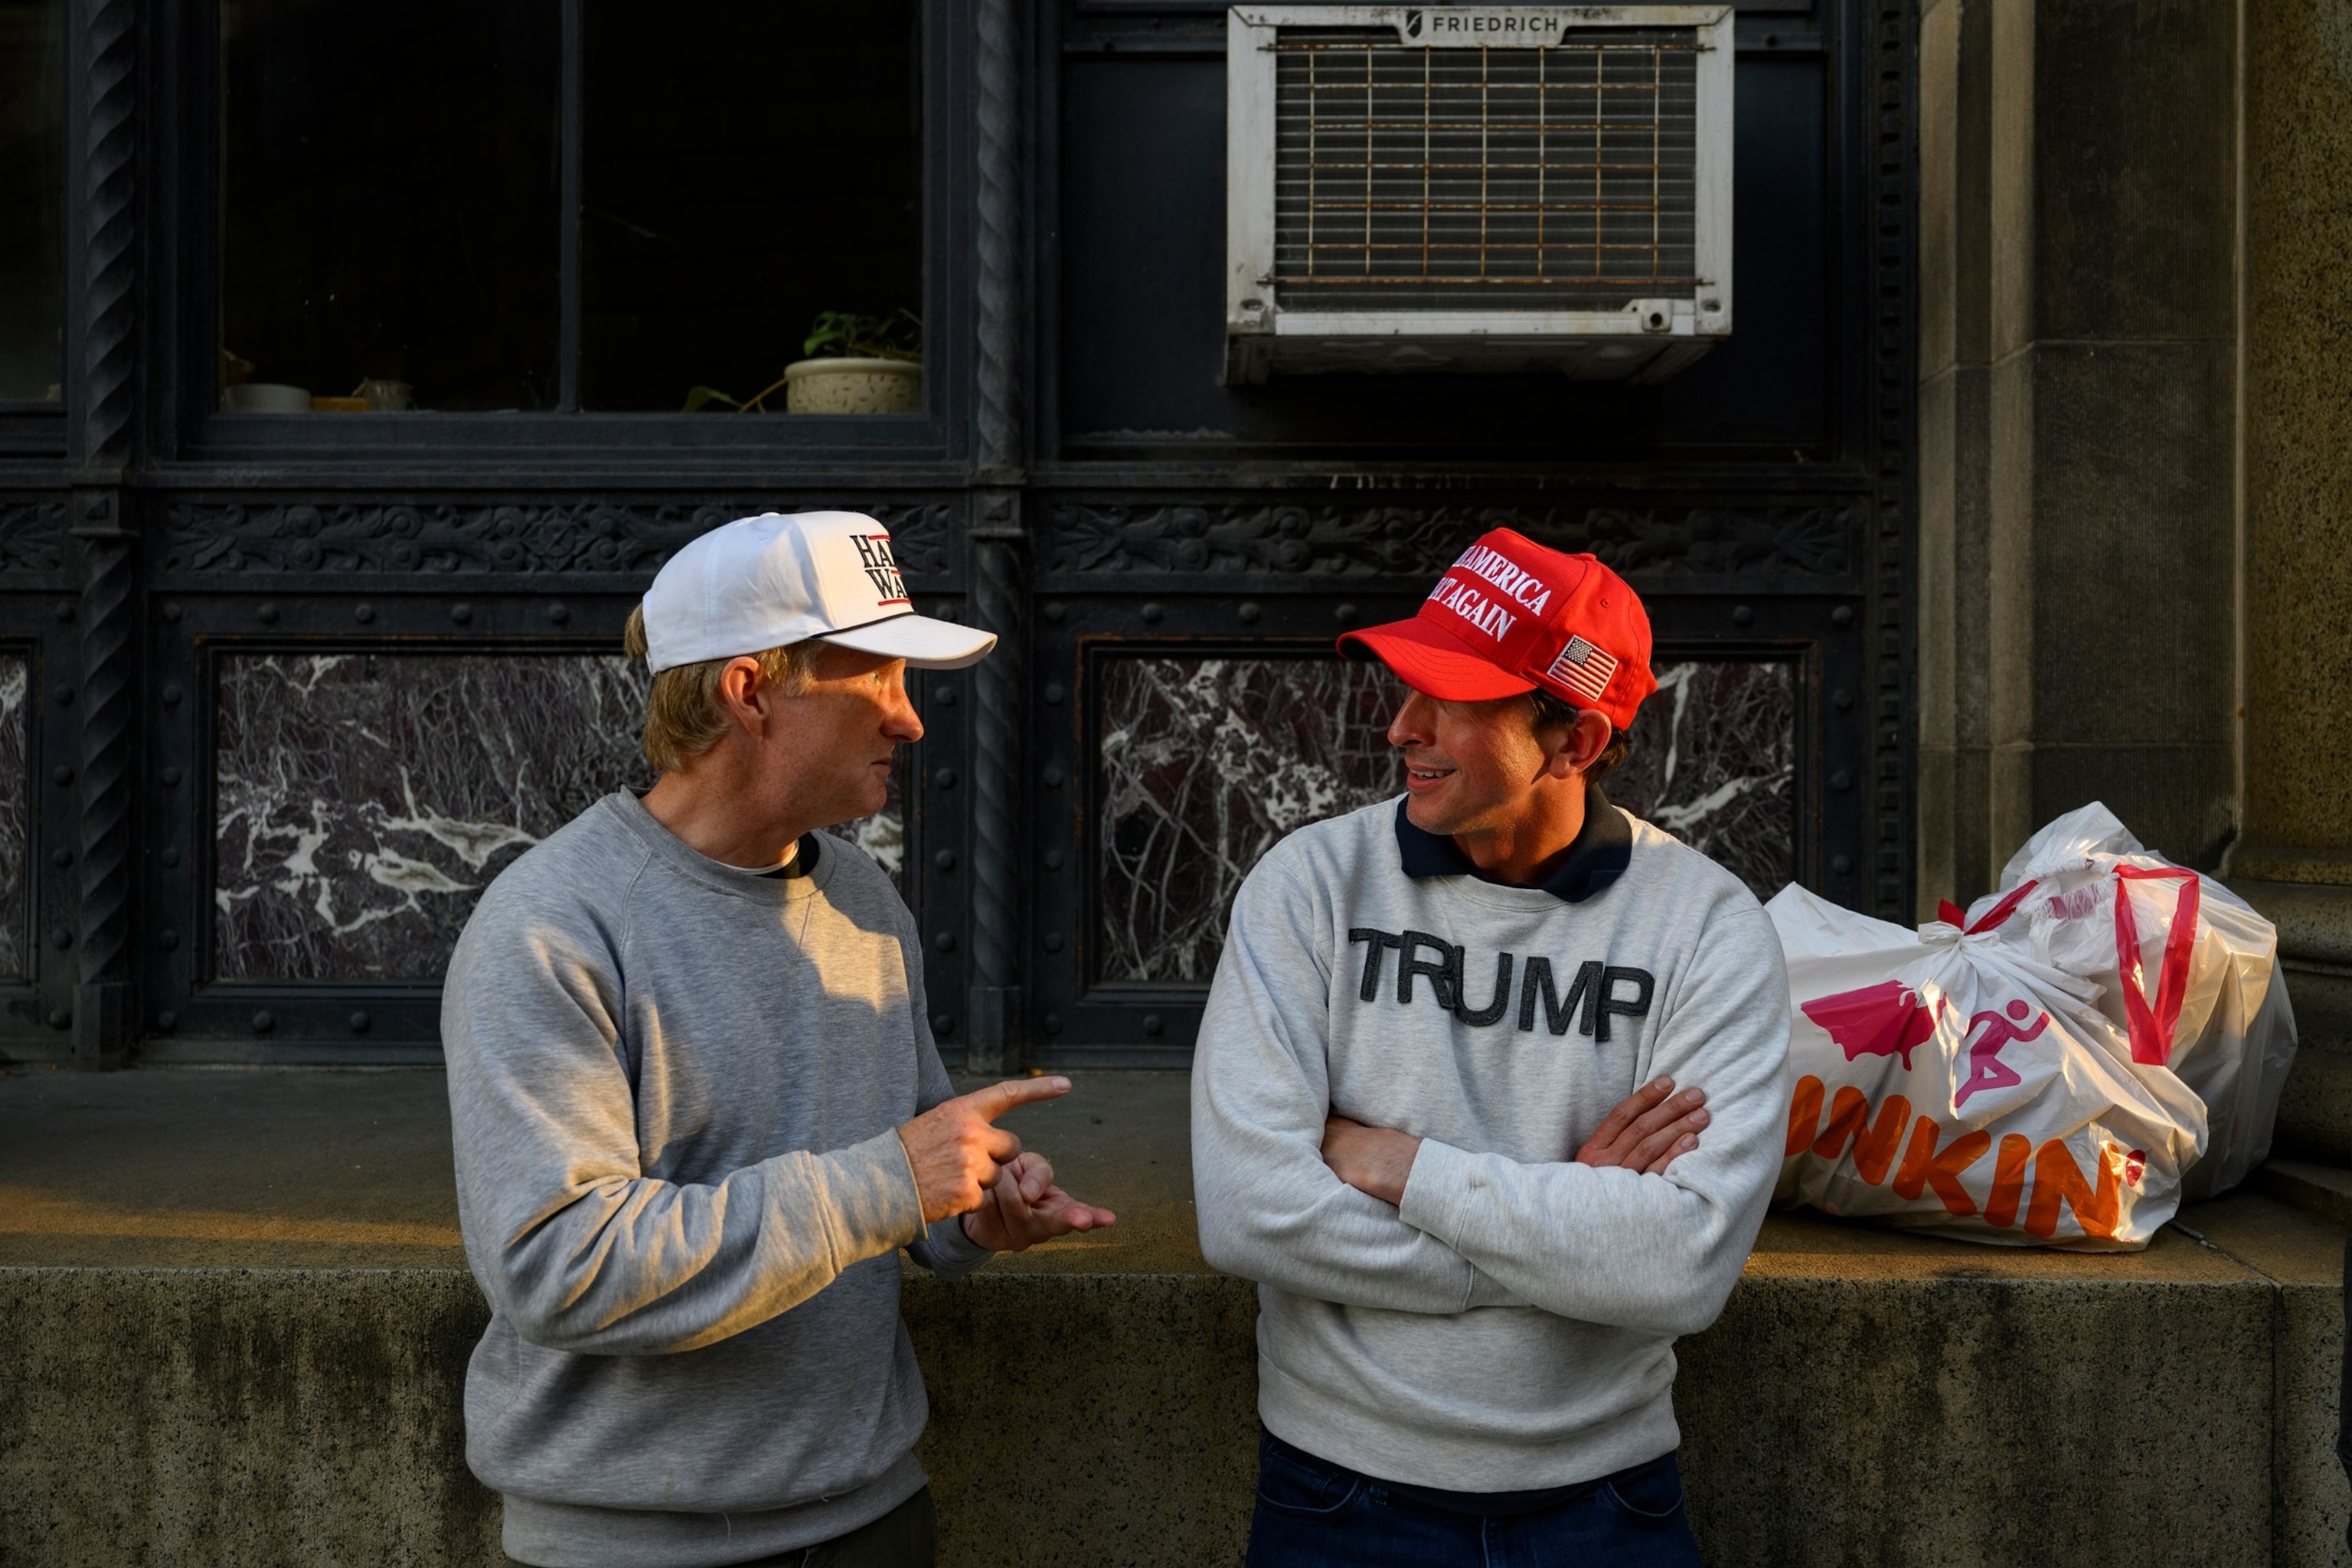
x: 2003, y: 910
x: 2152, y: 1029
x: 1952, y: 914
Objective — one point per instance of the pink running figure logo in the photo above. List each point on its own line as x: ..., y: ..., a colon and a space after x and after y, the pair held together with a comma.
x: 1986, y: 1069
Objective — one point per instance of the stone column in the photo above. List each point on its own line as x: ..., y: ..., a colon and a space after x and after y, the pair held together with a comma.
x: 2298, y: 444
x: 2295, y: 860
x: 2078, y: 426
x: 1956, y: 859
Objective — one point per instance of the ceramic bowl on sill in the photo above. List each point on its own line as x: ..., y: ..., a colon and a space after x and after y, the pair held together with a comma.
x: 854, y: 386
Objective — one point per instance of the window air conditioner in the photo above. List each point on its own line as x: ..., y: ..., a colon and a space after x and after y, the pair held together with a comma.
x: 1459, y: 187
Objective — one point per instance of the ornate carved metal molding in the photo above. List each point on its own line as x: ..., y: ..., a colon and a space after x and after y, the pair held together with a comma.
x: 999, y: 920
x: 107, y: 754
x: 108, y: 392
x: 1817, y: 541
x: 32, y: 535
x: 997, y: 435
x: 522, y: 538
x: 999, y: 541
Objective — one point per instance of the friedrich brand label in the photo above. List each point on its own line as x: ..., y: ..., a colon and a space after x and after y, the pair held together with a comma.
x: 1466, y: 26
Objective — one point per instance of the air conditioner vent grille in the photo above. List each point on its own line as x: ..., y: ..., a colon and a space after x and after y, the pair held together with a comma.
x: 1560, y: 178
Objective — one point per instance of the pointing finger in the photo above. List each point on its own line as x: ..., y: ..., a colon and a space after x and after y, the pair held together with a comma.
x: 993, y: 1102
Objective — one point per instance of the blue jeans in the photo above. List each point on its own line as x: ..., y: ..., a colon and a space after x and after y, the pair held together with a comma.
x: 1312, y: 1513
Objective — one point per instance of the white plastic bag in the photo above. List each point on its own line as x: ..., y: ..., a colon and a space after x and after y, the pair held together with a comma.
x: 1957, y: 1083
x: 2186, y: 969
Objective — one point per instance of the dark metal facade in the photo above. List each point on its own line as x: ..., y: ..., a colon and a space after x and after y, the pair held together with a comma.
x: 1079, y: 483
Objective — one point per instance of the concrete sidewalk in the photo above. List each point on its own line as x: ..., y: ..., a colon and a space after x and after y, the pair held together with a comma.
x: 240, y: 1318
x: 295, y: 1168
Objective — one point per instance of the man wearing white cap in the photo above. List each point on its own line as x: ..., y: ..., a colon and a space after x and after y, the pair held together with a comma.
x: 696, y: 1106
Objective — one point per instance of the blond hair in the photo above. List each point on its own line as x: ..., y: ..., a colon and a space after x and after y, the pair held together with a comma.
x: 683, y: 717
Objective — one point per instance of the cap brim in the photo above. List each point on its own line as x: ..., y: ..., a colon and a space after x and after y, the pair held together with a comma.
x: 1433, y: 662
x: 922, y: 642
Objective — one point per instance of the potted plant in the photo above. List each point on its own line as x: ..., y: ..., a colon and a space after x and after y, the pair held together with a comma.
x: 855, y: 364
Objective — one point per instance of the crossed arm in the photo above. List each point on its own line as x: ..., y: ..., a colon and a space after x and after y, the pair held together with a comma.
x: 1650, y: 1129
x: 1328, y: 1208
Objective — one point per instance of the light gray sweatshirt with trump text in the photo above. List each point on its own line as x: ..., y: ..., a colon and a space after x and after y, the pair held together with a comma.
x: 1510, y: 1325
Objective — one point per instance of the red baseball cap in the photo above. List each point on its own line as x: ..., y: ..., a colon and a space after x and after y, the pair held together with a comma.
x: 1511, y: 617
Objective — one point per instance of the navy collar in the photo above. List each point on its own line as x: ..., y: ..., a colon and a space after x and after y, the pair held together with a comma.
x: 1603, y: 848
x: 803, y: 863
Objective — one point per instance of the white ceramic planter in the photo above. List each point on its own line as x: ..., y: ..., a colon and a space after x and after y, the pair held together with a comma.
x: 854, y: 386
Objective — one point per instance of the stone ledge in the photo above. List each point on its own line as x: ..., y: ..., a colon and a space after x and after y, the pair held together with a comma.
x: 1867, y: 1397
x: 2314, y: 915
x: 2315, y: 1119
x: 2315, y: 926
x: 290, y: 1391
x: 2323, y: 1192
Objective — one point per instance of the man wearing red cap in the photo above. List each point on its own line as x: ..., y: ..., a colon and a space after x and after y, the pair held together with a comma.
x: 1435, y: 1109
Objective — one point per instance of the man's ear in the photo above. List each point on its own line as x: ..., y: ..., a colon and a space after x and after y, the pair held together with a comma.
x: 1594, y: 735
x: 1571, y: 749
x: 744, y: 696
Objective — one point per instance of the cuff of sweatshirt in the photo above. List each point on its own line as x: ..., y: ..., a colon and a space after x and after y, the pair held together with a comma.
x: 1439, y: 1190
x: 870, y: 1204
x: 1439, y: 1199
x: 948, y: 1250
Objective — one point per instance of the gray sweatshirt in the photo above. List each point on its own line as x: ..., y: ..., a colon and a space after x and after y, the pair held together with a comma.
x: 1510, y: 1326
x: 675, y: 1086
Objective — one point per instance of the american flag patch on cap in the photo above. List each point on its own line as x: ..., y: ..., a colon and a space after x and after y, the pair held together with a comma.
x: 1583, y: 670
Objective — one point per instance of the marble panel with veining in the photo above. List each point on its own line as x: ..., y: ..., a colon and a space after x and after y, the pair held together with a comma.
x: 15, y: 810
x: 1713, y: 761
x: 1205, y: 763
x: 363, y: 801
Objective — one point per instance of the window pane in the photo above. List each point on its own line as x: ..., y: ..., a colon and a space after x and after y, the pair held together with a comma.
x: 32, y: 200
x: 389, y: 181
x: 747, y: 164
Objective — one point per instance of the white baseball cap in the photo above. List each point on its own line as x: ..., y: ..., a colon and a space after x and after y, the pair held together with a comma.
x: 762, y: 582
